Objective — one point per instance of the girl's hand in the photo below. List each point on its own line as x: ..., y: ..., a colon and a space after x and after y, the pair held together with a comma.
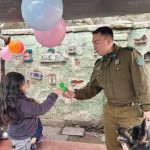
x: 58, y: 91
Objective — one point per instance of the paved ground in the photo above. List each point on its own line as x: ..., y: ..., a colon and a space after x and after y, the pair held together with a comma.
x: 58, y: 145
x: 56, y: 141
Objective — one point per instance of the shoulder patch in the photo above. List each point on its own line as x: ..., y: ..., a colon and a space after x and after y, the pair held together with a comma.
x: 140, y: 61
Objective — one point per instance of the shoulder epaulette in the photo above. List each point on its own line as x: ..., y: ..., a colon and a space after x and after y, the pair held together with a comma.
x: 129, y: 48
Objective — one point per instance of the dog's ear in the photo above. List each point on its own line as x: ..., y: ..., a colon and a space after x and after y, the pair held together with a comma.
x: 130, y: 131
x: 144, y: 124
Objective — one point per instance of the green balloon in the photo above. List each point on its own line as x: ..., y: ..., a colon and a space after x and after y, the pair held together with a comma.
x: 63, y: 87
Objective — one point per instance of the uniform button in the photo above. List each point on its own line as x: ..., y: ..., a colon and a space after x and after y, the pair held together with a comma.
x: 117, y: 69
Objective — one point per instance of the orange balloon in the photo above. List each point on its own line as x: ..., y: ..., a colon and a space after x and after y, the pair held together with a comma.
x: 22, y: 50
x: 15, y: 46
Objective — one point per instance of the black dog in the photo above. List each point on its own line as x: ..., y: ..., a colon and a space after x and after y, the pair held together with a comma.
x: 137, y: 137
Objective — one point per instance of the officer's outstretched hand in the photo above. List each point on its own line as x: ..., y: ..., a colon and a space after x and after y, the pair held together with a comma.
x: 69, y: 94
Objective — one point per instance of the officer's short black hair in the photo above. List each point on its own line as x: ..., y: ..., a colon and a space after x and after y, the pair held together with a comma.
x: 104, y: 31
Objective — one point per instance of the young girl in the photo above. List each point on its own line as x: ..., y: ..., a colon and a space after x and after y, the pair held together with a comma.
x: 20, y: 112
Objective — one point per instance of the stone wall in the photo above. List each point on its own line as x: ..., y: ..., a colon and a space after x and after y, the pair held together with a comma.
x: 75, y: 72
x: 87, y: 21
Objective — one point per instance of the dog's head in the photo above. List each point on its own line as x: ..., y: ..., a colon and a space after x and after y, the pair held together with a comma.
x: 135, y: 136
x: 138, y: 132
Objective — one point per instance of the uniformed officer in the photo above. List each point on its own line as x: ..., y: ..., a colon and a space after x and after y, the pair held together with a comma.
x: 122, y: 74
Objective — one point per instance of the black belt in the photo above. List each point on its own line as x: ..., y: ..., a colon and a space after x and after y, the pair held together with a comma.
x: 129, y: 104
x: 126, y: 104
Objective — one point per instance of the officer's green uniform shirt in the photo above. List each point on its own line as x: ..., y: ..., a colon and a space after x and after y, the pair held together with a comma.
x: 122, y: 75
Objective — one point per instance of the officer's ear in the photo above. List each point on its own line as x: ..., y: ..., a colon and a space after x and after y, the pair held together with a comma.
x: 109, y: 39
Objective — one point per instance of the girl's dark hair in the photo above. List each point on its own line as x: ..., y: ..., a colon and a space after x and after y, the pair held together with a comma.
x: 9, y: 95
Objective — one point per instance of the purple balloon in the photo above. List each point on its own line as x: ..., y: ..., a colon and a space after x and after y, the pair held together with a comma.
x: 5, y: 53
x: 52, y: 37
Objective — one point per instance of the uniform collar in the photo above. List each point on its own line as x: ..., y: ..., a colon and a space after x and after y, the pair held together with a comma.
x: 112, y: 54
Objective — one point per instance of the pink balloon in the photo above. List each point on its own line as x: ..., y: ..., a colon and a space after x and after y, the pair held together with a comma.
x: 52, y: 37
x: 5, y: 53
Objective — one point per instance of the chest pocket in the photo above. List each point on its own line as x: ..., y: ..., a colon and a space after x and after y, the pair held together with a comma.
x: 119, y: 80
x: 119, y: 71
x: 99, y: 73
